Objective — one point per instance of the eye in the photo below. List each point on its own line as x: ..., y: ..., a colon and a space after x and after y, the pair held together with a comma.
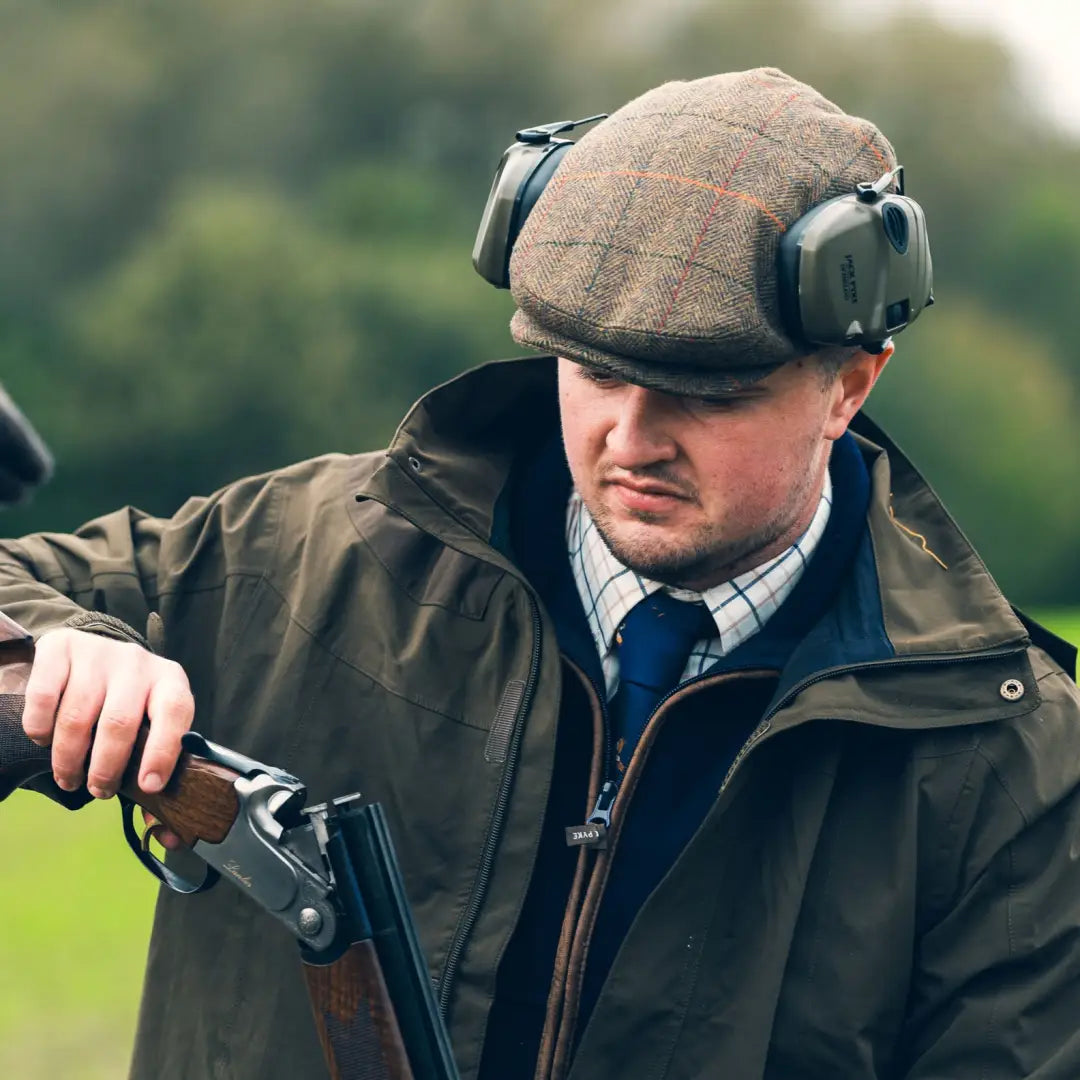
x: 596, y: 377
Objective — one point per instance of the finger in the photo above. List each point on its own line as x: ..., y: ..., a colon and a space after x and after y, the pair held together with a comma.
x: 45, y: 686
x: 171, y: 709
x: 121, y: 716
x: 168, y: 839
x: 80, y: 705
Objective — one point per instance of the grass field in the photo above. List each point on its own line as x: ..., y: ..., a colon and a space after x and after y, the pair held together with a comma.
x: 75, y: 913
x: 1065, y: 623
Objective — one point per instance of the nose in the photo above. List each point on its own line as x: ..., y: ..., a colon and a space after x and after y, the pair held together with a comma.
x: 639, y: 434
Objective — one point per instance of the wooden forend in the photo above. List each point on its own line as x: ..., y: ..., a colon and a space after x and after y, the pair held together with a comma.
x: 355, y: 1019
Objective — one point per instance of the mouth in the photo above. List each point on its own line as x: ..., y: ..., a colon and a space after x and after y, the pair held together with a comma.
x: 649, y: 496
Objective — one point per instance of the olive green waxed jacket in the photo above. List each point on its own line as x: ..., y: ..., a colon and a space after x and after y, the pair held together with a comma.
x: 887, y: 885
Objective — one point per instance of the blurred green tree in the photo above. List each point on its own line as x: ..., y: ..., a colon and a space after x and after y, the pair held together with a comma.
x: 1033, y: 268
x: 239, y: 336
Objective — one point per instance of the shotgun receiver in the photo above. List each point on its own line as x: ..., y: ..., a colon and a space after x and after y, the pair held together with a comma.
x: 328, y: 872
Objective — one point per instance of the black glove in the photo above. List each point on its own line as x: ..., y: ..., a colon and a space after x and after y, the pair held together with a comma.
x: 25, y: 461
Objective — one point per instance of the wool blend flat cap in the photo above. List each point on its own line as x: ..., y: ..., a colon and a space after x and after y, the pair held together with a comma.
x: 652, y: 252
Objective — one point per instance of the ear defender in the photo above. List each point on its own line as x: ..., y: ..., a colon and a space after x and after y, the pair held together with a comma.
x: 524, y: 171
x: 856, y: 269
x: 852, y: 271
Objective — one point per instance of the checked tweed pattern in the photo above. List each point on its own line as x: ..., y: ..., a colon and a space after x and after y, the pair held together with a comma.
x: 740, y: 607
x: 652, y: 252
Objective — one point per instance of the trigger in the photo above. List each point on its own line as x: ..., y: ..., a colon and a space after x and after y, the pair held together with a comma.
x: 151, y: 832
x: 140, y: 845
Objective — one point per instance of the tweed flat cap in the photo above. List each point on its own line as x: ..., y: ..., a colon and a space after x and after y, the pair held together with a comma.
x: 652, y: 252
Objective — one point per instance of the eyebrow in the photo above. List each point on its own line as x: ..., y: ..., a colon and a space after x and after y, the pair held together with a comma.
x: 752, y: 391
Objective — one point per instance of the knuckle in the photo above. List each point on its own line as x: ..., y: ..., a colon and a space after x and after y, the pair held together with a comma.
x: 134, y: 653
x: 171, y: 671
x: 41, y: 699
x: 53, y: 641
x: 171, y: 689
x: 116, y: 723
x: 128, y: 657
x: 74, y: 717
x: 176, y: 701
x: 98, y: 649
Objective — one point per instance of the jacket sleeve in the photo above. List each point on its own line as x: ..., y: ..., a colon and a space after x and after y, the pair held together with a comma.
x: 110, y: 575
x: 109, y: 566
x: 122, y: 566
x: 995, y: 993
x: 101, y: 578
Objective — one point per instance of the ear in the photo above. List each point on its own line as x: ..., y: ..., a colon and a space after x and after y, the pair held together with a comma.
x: 852, y: 387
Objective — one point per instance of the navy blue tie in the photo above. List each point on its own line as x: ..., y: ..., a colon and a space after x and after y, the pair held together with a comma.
x: 653, y: 645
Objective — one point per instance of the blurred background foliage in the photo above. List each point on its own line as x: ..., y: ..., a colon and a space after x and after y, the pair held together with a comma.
x: 237, y: 232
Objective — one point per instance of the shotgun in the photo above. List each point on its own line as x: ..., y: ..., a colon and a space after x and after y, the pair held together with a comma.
x: 328, y: 872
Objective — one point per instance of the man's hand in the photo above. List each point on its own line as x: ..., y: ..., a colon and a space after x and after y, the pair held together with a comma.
x: 81, y: 679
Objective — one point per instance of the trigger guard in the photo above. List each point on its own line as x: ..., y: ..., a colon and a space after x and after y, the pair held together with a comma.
x: 141, y: 847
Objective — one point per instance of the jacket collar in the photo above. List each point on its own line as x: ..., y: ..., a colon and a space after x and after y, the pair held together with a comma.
x: 450, y: 460
x: 937, y: 595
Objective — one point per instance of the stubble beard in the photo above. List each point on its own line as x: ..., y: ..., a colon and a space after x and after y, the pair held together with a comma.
x: 706, y: 557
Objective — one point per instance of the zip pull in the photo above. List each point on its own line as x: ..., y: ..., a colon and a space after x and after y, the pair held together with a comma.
x: 594, y: 832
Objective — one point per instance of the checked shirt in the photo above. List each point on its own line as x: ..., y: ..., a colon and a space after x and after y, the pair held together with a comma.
x: 739, y: 607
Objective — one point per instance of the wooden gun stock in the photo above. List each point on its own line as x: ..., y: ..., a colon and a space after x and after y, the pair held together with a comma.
x: 355, y: 1018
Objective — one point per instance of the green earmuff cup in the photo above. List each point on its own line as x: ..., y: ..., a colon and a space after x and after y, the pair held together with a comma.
x: 854, y: 271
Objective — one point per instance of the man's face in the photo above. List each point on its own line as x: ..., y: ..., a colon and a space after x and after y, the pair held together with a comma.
x: 692, y: 491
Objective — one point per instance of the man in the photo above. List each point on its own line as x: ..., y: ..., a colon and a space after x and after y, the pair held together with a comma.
x: 833, y: 833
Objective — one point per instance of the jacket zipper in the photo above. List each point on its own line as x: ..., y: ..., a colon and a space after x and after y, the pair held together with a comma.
x: 601, y: 816
x: 609, y: 790
x: 582, y: 875
x: 498, y: 819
